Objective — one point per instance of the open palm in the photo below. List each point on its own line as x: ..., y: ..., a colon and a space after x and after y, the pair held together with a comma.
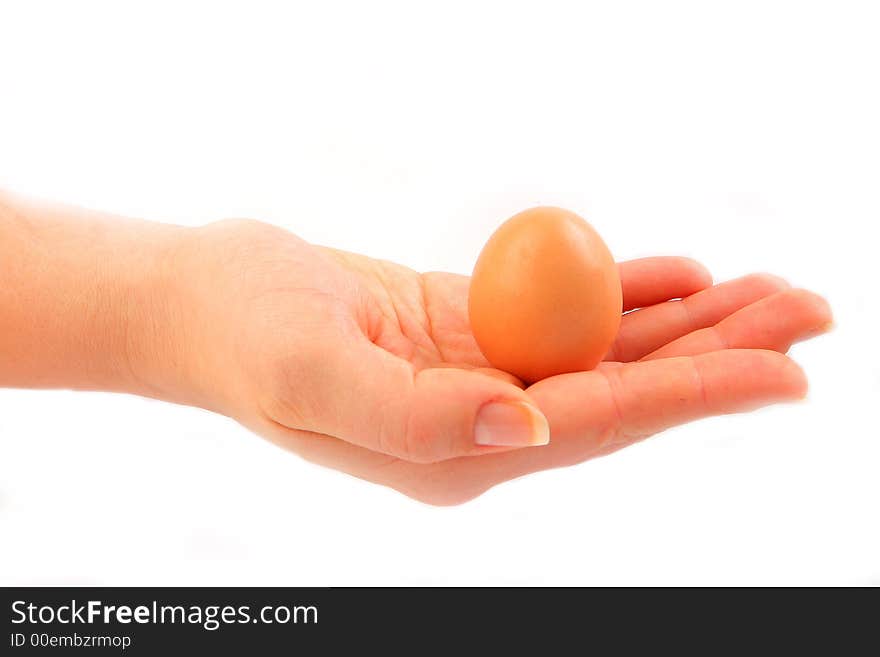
x: 384, y: 377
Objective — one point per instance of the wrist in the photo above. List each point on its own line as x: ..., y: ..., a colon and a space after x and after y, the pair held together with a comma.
x: 178, y: 347
x: 153, y: 316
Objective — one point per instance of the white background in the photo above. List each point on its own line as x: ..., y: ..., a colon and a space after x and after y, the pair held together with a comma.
x: 744, y: 134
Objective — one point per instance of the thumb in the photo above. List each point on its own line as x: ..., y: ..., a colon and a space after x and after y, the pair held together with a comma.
x: 369, y: 397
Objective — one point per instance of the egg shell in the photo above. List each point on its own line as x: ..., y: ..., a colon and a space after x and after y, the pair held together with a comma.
x: 545, y: 295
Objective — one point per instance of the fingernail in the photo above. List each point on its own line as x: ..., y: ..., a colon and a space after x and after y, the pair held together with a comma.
x: 511, y: 424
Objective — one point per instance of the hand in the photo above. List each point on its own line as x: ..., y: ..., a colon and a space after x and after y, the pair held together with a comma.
x: 370, y: 368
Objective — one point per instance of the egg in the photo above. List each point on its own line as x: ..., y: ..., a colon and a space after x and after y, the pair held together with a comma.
x: 545, y: 295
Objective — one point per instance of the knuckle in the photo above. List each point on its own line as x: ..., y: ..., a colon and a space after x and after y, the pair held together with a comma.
x: 400, y: 433
x: 417, y: 438
x: 416, y: 448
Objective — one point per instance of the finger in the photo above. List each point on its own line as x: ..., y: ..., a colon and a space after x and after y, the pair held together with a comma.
x: 591, y: 413
x: 653, y: 396
x: 775, y: 322
x: 584, y: 418
x: 634, y: 400
x: 647, y: 281
x: 368, y: 397
x: 648, y: 329
x: 596, y: 412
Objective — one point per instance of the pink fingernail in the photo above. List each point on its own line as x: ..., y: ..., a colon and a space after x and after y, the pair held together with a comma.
x: 511, y: 424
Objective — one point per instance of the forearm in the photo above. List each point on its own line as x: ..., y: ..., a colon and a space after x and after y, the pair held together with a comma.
x: 88, y: 301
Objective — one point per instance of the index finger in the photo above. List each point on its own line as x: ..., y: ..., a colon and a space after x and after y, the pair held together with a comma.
x: 593, y: 413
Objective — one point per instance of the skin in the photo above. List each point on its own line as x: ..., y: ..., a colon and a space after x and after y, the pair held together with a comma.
x: 363, y: 365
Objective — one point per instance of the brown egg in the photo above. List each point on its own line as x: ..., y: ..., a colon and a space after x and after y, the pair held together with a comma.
x: 545, y: 295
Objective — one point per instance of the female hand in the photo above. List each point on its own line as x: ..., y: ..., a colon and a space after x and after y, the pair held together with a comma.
x: 369, y: 367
